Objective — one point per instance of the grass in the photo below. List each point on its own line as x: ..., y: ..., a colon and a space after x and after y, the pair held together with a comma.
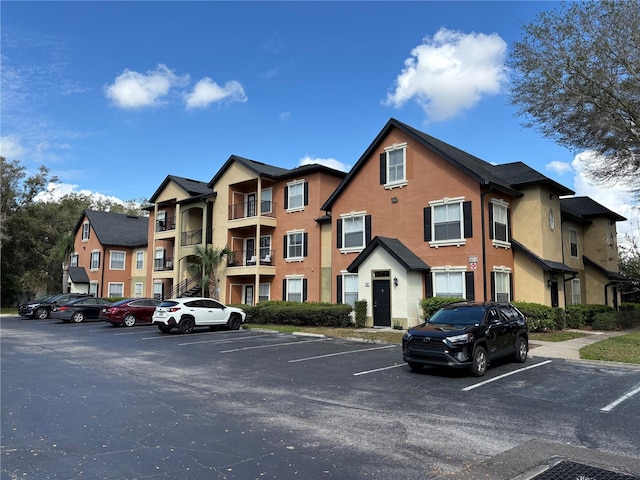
x: 556, y: 336
x: 624, y: 349
x: 9, y: 311
x: 389, y: 336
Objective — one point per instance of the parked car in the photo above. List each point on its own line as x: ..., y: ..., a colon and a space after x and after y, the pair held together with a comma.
x: 80, y: 309
x: 130, y: 311
x: 42, y: 308
x: 468, y: 335
x: 189, y: 312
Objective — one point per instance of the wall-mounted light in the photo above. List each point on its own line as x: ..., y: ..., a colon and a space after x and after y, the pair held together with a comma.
x: 394, y: 199
x: 395, y: 281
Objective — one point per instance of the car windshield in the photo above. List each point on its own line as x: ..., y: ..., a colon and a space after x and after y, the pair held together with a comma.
x: 458, y: 316
x: 47, y: 298
x: 168, y: 304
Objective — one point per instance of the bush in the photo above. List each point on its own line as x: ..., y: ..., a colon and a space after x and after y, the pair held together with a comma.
x: 605, y: 321
x: 433, y: 304
x: 361, y: 313
x: 580, y: 316
x: 295, y: 313
x: 540, y: 318
x: 629, y: 315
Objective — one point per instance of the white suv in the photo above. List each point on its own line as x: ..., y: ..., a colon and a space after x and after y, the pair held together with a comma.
x: 189, y: 312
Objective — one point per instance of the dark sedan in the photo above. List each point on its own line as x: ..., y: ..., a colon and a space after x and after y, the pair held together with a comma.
x: 130, y: 311
x: 81, y: 309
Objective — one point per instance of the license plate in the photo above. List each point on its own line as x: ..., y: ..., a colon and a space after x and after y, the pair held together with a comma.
x: 160, y: 314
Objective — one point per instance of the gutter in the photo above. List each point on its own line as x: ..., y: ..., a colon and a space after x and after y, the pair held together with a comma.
x: 484, y: 243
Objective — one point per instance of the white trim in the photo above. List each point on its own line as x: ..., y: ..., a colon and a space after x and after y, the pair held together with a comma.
x: 446, y: 201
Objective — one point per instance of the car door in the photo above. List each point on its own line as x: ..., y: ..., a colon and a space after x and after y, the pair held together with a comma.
x: 143, y: 309
x: 91, y: 307
x: 497, y: 331
x: 216, y: 312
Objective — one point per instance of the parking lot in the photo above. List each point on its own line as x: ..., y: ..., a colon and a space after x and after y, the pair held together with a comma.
x: 94, y: 401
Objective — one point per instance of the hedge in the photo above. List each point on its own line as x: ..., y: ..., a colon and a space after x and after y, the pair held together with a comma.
x: 295, y: 313
x: 433, y: 304
x: 541, y: 318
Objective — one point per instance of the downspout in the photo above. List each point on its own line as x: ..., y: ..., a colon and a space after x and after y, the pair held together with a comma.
x: 484, y: 243
x: 104, y: 259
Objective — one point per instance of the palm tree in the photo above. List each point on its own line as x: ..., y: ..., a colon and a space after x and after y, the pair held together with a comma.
x: 208, y: 261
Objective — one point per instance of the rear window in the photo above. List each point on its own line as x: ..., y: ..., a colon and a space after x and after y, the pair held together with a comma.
x: 168, y: 304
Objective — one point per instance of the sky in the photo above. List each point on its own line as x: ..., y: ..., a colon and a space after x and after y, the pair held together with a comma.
x: 114, y: 96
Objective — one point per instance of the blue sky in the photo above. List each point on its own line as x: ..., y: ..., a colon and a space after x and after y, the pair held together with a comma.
x: 114, y: 96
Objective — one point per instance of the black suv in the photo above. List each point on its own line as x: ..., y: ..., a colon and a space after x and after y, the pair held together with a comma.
x: 467, y: 335
x: 42, y: 308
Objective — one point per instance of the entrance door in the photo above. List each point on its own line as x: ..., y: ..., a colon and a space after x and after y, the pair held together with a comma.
x: 250, y: 251
x: 248, y: 295
x: 554, y: 293
x: 382, y: 303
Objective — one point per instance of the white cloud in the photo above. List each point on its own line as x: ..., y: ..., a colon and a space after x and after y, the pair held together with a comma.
x: 451, y: 72
x: 206, y: 91
x: 11, y: 148
x: 327, y: 162
x: 559, y: 168
x: 55, y: 191
x: 138, y: 90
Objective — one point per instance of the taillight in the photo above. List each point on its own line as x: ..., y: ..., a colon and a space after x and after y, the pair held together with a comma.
x: 62, y: 308
x: 173, y: 309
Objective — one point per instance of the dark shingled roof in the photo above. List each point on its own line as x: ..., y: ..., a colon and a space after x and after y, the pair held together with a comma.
x: 609, y: 274
x: 409, y: 260
x: 519, y: 175
x: 547, y: 265
x: 116, y: 229
x: 78, y: 275
x: 193, y: 188
x: 586, y: 208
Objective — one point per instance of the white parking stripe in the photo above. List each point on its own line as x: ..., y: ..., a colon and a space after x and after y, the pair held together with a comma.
x: 272, y: 345
x: 218, y: 340
x: 342, y: 353
x: 471, y: 387
x: 617, y: 402
x: 380, y: 369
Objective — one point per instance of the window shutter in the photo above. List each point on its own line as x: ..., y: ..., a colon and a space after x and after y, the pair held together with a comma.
x: 304, y: 289
x: 493, y: 285
x: 339, y: 289
x: 510, y: 287
x: 470, y: 286
x: 427, y: 224
x: 509, y: 225
x: 339, y: 233
x: 285, y: 248
x: 383, y: 168
x: 367, y: 230
x: 284, y: 289
x: 468, y: 222
x: 286, y: 197
x: 306, y: 193
x: 305, y: 244
x: 491, y: 221
x: 429, y: 284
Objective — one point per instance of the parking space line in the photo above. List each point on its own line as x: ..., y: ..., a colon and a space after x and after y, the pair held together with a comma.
x: 379, y: 369
x: 139, y: 332
x: 341, y: 353
x: 624, y: 397
x: 222, y: 340
x: 272, y: 345
x: 476, y: 385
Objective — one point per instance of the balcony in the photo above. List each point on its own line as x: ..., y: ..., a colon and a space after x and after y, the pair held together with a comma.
x: 246, y: 263
x: 194, y: 237
x: 163, y: 264
x: 248, y: 211
x: 168, y: 223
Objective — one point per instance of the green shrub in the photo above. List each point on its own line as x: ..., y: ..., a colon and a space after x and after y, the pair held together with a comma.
x: 540, y: 318
x: 361, y: 313
x: 295, y: 313
x: 584, y: 315
x: 628, y: 316
x: 433, y: 304
x: 561, y: 318
x: 604, y: 321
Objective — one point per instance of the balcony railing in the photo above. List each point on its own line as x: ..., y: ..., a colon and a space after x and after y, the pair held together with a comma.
x: 250, y: 209
x: 194, y: 237
x: 162, y: 264
x: 242, y: 258
x: 168, y: 223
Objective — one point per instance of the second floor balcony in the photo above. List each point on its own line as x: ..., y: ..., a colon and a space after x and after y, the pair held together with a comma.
x: 193, y: 237
x: 243, y: 258
x: 252, y: 209
x: 165, y: 224
x: 163, y: 264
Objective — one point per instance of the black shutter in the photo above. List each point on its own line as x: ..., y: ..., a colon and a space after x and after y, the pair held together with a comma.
x: 427, y: 224
x: 339, y: 289
x: 367, y: 230
x: 306, y: 193
x: 468, y: 222
x: 510, y: 287
x: 493, y: 286
x: 286, y: 197
x: 383, y: 168
x: 339, y: 233
x: 284, y: 289
x: 509, y: 224
x: 491, y: 221
x: 305, y: 244
x: 429, y: 284
x: 285, y: 248
x: 470, y: 286
x: 304, y: 289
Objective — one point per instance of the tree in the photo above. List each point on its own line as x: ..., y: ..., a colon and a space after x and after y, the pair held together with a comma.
x: 208, y: 262
x: 577, y: 80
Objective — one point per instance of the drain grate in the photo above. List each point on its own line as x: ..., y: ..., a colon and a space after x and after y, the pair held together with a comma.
x: 566, y: 470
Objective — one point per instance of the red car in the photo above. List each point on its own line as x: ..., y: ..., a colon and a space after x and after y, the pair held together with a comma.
x: 129, y: 311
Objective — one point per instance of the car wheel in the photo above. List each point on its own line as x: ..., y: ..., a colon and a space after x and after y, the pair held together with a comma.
x: 522, y: 349
x: 415, y: 366
x: 164, y: 328
x: 42, y: 313
x: 479, y: 363
x: 234, y: 322
x: 186, y: 325
x: 78, y: 317
x: 129, y: 320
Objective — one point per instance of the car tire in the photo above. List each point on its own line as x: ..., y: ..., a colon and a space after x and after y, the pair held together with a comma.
x: 479, y: 362
x: 41, y: 313
x: 129, y: 320
x: 416, y: 367
x: 78, y: 317
x: 522, y: 350
x: 234, y: 322
x: 186, y: 325
x: 164, y: 328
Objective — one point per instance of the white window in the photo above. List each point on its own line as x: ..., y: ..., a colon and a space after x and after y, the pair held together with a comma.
x: 353, y: 232
x: 137, y: 289
x: 576, y: 295
x: 161, y: 221
x: 447, y: 222
x: 139, y: 260
x: 93, y: 288
x: 294, y: 289
x: 295, y: 199
x: 264, y: 292
x: 157, y: 290
x: 85, y: 231
x: 500, y: 222
x: 116, y: 289
x: 159, y: 259
x: 350, y: 289
x: 95, y: 260
x: 573, y: 241
x: 73, y: 260
x: 265, y: 249
x: 502, y: 287
x: 449, y: 284
x: 295, y: 245
x: 117, y: 260
x: 266, y: 201
x: 396, y: 165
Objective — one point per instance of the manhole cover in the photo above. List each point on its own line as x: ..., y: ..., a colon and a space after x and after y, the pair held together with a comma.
x: 566, y: 470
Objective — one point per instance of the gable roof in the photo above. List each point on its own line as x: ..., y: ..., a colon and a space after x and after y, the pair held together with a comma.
x: 403, y: 255
x: 78, y: 275
x: 193, y: 188
x: 587, y: 208
x: 547, y: 265
x: 520, y: 175
x: 116, y: 229
x: 607, y: 273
